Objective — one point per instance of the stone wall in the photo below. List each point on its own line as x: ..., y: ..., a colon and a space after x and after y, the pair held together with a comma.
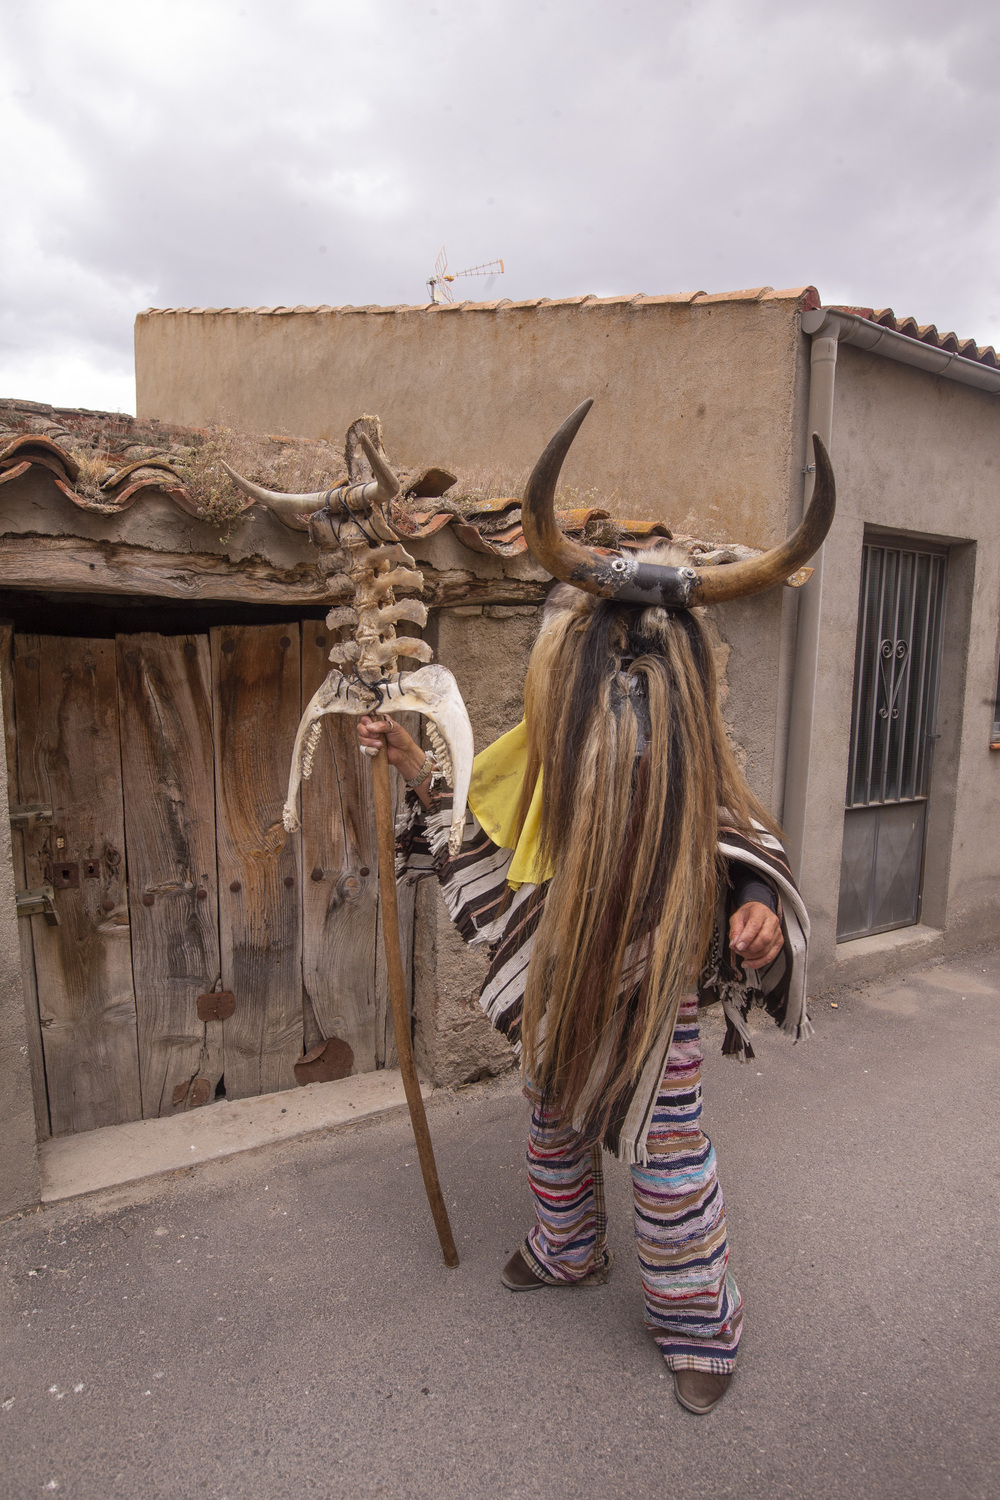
x: 487, y: 647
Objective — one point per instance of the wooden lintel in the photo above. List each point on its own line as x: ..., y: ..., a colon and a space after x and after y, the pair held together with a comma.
x: 72, y: 564
x: 443, y: 589
x: 76, y: 565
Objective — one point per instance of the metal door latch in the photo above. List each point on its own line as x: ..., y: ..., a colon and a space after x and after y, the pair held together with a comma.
x: 38, y: 903
x: 28, y: 815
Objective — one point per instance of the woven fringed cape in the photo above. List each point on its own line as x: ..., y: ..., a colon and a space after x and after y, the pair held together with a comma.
x: 486, y: 910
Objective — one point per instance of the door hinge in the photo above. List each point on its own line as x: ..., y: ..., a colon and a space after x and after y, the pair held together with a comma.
x: 38, y: 903
x: 28, y: 815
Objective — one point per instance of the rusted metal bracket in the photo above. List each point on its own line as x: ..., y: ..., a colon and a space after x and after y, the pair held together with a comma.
x: 217, y: 1006
x: 38, y: 903
x: 28, y: 815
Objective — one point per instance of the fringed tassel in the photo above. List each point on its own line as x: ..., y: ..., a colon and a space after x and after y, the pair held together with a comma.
x: 736, y: 1042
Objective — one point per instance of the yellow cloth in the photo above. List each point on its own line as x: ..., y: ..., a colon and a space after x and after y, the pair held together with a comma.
x: 495, y: 797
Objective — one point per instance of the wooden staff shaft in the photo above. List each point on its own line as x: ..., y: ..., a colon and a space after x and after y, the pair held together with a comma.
x: 397, y: 994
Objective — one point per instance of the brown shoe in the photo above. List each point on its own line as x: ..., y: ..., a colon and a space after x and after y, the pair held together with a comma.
x: 698, y: 1391
x: 517, y: 1275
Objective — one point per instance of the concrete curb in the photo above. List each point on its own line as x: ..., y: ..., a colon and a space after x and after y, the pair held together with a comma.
x: 73, y: 1165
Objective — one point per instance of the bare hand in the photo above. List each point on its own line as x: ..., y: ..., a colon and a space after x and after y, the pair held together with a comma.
x: 403, y: 751
x: 755, y: 934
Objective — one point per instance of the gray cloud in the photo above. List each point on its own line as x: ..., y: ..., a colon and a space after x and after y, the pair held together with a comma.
x: 233, y: 152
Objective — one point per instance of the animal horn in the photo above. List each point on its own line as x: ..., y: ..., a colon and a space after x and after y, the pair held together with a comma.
x: 634, y: 581
x: 564, y: 559
x: 295, y: 510
x: 385, y: 479
x: 734, y: 580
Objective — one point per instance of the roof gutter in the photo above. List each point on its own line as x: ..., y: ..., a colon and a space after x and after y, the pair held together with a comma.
x: 828, y: 328
x: 848, y: 328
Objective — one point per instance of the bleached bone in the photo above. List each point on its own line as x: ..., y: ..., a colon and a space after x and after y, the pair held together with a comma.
x: 432, y: 692
x: 397, y: 555
x: 351, y: 528
x: 399, y: 578
x: 400, y: 645
x: 345, y: 651
x: 342, y: 615
x: 406, y: 609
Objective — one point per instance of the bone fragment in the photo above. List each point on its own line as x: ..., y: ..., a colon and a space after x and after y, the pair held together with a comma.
x: 399, y: 578
x: 343, y: 614
x: 382, y: 652
x: 431, y: 691
x: 345, y: 651
x: 396, y: 555
x: 406, y: 609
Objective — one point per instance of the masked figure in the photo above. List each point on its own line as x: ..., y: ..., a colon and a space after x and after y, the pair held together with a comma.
x: 619, y: 868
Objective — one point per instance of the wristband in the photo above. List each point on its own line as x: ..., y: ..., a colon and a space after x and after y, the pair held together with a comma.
x: 429, y: 765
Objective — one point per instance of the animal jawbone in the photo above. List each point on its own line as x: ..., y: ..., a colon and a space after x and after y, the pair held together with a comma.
x: 431, y: 691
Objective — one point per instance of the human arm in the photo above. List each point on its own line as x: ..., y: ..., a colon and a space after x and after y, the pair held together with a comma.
x: 403, y: 751
x: 755, y: 926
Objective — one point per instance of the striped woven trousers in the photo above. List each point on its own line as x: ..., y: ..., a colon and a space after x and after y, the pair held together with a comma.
x: 693, y: 1307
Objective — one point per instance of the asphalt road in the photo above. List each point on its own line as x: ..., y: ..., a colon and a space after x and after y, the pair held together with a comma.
x: 281, y: 1324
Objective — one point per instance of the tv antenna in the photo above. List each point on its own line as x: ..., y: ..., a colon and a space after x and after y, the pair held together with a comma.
x: 439, y: 285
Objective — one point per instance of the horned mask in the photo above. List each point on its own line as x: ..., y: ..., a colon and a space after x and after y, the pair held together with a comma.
x: 632, y: 581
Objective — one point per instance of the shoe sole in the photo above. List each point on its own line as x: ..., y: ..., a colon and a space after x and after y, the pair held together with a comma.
x: 698, y: 1411
x: 594, y: 1278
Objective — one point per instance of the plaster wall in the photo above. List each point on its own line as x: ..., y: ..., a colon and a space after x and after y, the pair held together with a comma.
x: 694, y: 399
x: 919, y: 457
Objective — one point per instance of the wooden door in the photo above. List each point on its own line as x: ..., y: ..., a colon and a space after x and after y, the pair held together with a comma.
x: 165, y: 706
x: 256, y: 683
x: 339, y: 879
x: 169, y: 755
x: 27, y: 952
x: 66, y: 709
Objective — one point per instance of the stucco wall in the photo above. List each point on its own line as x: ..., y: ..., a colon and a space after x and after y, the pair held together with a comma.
x: 694, y: 397
x: 918, y: 456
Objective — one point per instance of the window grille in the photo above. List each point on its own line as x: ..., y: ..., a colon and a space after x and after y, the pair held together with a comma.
x: 896, y: 670
x: 895, y: 675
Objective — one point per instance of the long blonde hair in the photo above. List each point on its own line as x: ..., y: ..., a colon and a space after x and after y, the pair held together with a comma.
x: 623, y: 722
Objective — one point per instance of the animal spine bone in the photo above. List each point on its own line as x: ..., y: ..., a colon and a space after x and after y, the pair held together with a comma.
x: 353, y: 526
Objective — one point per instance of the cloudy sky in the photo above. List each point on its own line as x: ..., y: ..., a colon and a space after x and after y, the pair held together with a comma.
x: 245, y: 152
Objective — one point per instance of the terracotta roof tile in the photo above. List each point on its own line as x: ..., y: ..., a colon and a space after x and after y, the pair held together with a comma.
x: 927, y: 333
x: 752, y: 294
x: 807, y: 295
x: 117, y: 478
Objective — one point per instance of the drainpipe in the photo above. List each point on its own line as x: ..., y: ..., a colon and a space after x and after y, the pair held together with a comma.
x: 802, y: 714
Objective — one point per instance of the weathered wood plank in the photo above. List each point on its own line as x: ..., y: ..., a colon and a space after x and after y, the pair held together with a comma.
x: 256, y: 697
x: 339, y: 876
x: 118, y: 568
x: 66, y: 712
x: 25, y: 944
x: 406, y: 900
x: 165, y: 710
x: 79, y: 565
